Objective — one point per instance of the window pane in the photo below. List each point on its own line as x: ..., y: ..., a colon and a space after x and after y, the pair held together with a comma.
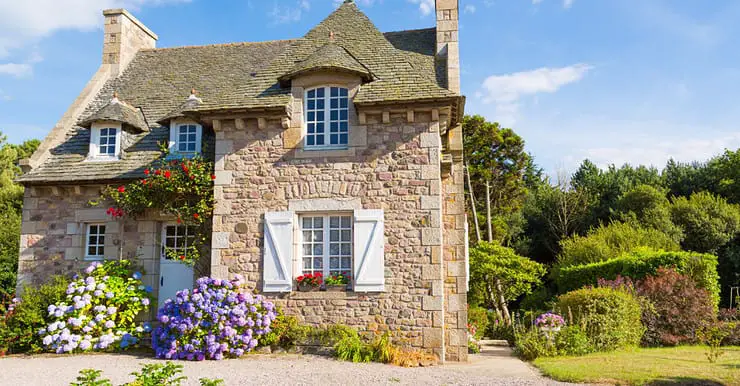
x: 343, y: 115
x: 343, y: 103
x: 320, y: 127
x: 311, y: 116
x: 334, y: 235
x: 318, y: 249
x: 92, y: 251
x: 319, y: 140
x: 346, y: 249
x: 312, y: 94
x: 307, y: 263
x: 320, y: 93
x: 346, y: 221
x: 343, y: 139
x: 343, y: 127
x: 343, y: 92
x: 346, y: 235
x: 191, y: 147
x: 334, y: 263
x: 334, y: 103
x: 334, y: 222
x: 319, y: 104
x: 306, y: 236
x: 318, y: 236
x: 334, y: 139
x: 318, y: 222
x: 320, y: 116
x: 311, y: 104
x: 334, y: 91
x: 191, y: 137
x: 317, y: 264
x: 306, y: 222
x: 334, y: 115
x: 103, y: 140
x: 334, y: 249
x: 311, y: 140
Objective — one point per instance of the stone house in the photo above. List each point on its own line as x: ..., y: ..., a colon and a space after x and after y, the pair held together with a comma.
x: 337, y: 151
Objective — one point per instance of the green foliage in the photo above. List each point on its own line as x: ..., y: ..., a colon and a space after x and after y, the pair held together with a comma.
x: 157, y: 374
x: 495, y: 157
x: 500, y: 330
x: 478, y: 319
x: 178, y: 188
x: 611, y: 318
x: 10, y: 228
x: 648, y: 206
x: 91, y: 377
x: 286, y: 332
x: 708, y: 222
x: 572, y: 340
x: 353, y: 349
x: 642, y: 262
x: 610, y: 241
x: 473, y: 347
x: 19, y: 329
x: 517, y: 274
x: 538, y: 300
x: 211, y: 382
x: 712, y: 336
x: 532, y: 344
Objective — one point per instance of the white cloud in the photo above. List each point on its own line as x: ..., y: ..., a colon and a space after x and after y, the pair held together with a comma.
x: 365, y: 3
x: 425, y: 6
x: 567, y: 3
x: 506, y: 91
x: 283, y: 14
x: 5, y: 97
x: 18, y: 70
x: 470, y: 8
x: 535, y: 2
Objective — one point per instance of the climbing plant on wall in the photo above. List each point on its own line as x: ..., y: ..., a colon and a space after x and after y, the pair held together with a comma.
x: 181, y: 188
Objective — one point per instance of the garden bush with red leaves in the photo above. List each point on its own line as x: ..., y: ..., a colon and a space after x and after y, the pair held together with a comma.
x: 731, y: 315
x: 673, y: 307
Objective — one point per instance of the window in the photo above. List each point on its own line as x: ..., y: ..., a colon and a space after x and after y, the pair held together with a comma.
x: 177, y: 239
x: 105, y: 141
x: 327, y: 117
x: 185, y: 138
x: 326, y: 244
x: 95, y: 241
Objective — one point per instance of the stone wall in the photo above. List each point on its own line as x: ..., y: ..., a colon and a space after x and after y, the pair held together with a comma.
x: 398, y: 170
x: 54, y: 230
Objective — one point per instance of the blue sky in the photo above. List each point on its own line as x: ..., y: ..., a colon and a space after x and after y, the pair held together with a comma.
x: 615, y: 81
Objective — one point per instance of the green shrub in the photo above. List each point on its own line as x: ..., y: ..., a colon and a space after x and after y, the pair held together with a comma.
x: 608, y: 242
x: 611, y: 318
x: 572, y: 340
x: 531, y: 344
x: 91, y: 377
x: 329, y: 336
x: 20, y: 330
x: 286, y: 332
x: 353, y: 349
x: 538, y: 300
x: 478, y: 318
x: 500, y: 330
x: 152, y: 374
x: 702, y: 268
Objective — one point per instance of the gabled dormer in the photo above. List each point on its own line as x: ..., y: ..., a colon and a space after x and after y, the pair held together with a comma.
x: 186, y: 132
x: 112, y: 128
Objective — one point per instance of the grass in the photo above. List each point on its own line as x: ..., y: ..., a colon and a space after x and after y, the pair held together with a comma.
x: 646, y: 366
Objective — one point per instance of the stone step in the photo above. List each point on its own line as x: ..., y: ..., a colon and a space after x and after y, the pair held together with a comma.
x: 494, y: 342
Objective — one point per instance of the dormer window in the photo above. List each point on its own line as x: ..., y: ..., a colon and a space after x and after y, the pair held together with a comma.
x: 327, y: 118
x: 105, y: 141
x: 185, y: 138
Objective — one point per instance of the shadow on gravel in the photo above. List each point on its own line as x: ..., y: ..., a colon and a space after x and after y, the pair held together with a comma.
x: 684, y: 381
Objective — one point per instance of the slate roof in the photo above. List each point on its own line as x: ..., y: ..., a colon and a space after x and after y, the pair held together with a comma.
x: 118, y: 111
x: 400, y: 67
x: 330, y: 57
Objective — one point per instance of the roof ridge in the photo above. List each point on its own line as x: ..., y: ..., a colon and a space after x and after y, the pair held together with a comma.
x: 232, y: 44
x: 409, y: 30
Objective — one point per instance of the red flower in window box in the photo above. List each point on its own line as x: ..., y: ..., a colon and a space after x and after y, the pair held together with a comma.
x: 157, y: 172
x: 146, y: 172
x: 167, y: 174
x: 196, y: 216
x: 213, y: 176
x: 309, y: 281
x: 121, y: 189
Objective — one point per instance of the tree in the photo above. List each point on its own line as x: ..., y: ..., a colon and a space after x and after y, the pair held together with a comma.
x: 648, y: 206
x: 708, y: 222
x: 496, y: 164
x: 11, y: 203
x: 499, y: 276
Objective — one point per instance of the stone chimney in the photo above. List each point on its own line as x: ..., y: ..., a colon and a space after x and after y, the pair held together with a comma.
x: 448, y: 47
x: 124, y: 36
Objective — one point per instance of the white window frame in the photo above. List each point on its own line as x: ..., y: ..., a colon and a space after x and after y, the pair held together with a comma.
x: 95, y: 130
x: 163, y: 250
x: 326, y: 242
x: 175, y: 134
x: 327, y: 121
x: 88, y: 228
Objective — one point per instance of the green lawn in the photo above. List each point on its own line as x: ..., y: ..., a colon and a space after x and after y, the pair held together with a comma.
x: 652, y: 366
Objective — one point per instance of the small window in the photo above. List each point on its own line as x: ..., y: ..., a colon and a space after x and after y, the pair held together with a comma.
x: 176, y: 239
x: 105, y: 141
x: 327, y: 117
x: 95, y: 241
x: 326, y: 244
x: 185, y: 138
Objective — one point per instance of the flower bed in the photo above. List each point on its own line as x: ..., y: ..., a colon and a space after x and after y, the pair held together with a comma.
x: 99, y: 312
x: 213, y: 321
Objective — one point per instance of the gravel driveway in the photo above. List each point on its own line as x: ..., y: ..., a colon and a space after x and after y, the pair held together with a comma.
x: 275, y: 370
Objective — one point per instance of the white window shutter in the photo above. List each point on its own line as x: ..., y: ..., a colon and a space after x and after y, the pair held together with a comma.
x: 278, y: 251
x: 94, y: 141
x: 369, y: 250
x: 172, y: 145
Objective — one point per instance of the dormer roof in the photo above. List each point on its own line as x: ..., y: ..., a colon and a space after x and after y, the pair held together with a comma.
x: 330, y: 57
x: 184, y: 110
x: 118, y: 111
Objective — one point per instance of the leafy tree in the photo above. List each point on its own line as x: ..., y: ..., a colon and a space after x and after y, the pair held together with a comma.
x: 496, y: 164
x: 708, y: 222
x: 724, y: 173
x: 499, y: 276
x: 11, y: 203
x: 610, y: 241
x: 648, y: 206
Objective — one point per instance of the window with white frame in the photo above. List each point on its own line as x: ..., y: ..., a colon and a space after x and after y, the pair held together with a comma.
x: 185, y: 138
x: 105, y: 141
x: 95, y: 241
x: 326, y: 244
x: 327, y: 117
x: 176, y: 239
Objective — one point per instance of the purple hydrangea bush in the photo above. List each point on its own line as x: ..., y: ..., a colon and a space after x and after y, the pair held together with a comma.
x: 99, y: 312
x: 216, y: 320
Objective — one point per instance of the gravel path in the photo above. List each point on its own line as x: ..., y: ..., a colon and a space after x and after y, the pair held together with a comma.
x: 490, y: 369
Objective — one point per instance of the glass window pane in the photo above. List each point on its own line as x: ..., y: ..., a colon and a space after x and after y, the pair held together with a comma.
x: 318, y: 249
x: 183, y: 137
x: 312, y: 93
x: 320, y: 104
x: 334, y: 235
x: 307, y: 263
x: 346, y: 249
x: 334, y: 127
x: 103, y: 140
x: 91, y: 251
x: 320, y: 127
x: 101, y: 251
x: 334, y: 263
x: 346, y: 235
x: 191, y: 147
x: 334, y: 222
x: 343, y: 139
x: 346, y: 262
x: 319, y: 139
x: 334, y: 103
x: 343, y: 127
x: 320, y: 92
x: 343, y: 115
x: 311, y: 104
x: 318, y: 236
x: 191, y: 137
x: 343, y: 103
x: 334, y: 249
x: 306, y: 249
x: 334, y: 115
x: 320, y: 116
x: 346, y: 221
x: 310, y: 140
x: 343, y: 92
x: 306, y: 222
x: 311, y: 116
x: 334, y: 139
x: 317, y: 264
x: 318, y: 222
x: 335, y: 91
x: 306, y: 236
x: 112, y: 131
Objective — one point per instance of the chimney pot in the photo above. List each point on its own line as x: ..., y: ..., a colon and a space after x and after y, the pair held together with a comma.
x: 124, y: 35
x: 448, y: 45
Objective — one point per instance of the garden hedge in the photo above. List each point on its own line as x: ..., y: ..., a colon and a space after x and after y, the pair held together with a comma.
x: 701, y: 267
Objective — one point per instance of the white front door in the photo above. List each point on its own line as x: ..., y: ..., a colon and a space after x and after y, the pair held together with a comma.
x: 173, y: 274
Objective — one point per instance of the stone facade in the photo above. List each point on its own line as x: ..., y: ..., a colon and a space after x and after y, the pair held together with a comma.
x: 396, y: 167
